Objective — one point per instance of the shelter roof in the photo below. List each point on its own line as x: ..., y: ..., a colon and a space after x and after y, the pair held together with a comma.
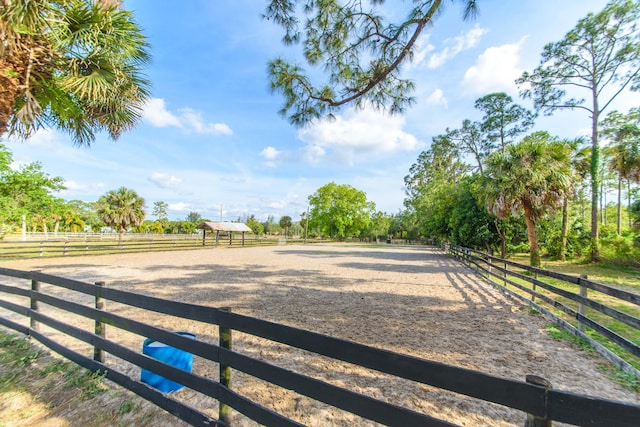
x: 224, y: 226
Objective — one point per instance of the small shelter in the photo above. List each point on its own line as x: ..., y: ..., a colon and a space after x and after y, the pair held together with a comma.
x: 229, y: 227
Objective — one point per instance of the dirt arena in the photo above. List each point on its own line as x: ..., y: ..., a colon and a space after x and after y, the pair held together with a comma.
x: 412, y: 300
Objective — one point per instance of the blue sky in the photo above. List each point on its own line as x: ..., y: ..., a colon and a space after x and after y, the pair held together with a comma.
x: 212, y: 136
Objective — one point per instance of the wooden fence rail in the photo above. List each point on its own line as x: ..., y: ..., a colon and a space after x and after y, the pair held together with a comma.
x: 497, y: 271
x: 539, y: 401
x: 56, y: 248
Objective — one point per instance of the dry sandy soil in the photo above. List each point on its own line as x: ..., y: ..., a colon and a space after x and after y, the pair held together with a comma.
x: 412, y: 300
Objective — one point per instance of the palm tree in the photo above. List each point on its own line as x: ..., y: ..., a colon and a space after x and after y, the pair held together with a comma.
x: 73, y: 222
x: 580, y: 169
x: 75, y: 66
x: 533, y: 176
x: 121, y: 209
x: 285, y: 223
x: 624, y: 153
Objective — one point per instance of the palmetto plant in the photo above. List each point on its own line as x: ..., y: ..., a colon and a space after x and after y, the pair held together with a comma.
x: 74, y: 65
x: 121, y: 209
x: 532, y: 177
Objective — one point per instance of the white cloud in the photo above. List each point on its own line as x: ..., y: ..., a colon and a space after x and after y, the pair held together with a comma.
x: 455, y: 45
x: 357, y: 132
x: 270, y: 153
x: 194, y: 119
x: 155, y: 113
x: 163, y: 180
x: 43, y: 137
x: 437, y: 98
x: 496, y: 70
x: 313, y: 154
x: 420, y: 52
x: 277, y: 205
x: 75, y: 188
x: 179, y: 207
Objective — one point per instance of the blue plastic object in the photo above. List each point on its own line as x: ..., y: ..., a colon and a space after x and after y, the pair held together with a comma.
x: 169, y: 355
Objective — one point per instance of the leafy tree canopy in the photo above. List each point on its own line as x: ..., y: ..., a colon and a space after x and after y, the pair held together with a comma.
x: 26, y: 191
x: 503, y: 119
x: 587, y: 70
x: 72, y: 65
x: 339, y: 211
x: 160, y: 209
x: 360, y: 51
x: 194, y: 217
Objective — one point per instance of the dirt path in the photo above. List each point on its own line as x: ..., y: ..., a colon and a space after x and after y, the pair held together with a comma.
x: 412, y: 300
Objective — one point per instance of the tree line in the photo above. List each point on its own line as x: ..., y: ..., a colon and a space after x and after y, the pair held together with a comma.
x: 28, y: 196
x: 76, y: 66
x: 515, y: 184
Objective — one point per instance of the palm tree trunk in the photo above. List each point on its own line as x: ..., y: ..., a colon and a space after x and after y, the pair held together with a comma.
x: 503, y: 239
x: 532, y: 236
x: 9, y: 89
x: 562, y: 252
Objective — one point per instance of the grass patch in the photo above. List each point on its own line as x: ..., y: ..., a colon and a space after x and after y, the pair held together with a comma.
x: 126, y: 407
x: 90, y: 384
x: 37, y: 388
x: 625, y: 379
x: 558, y: 333
x: 626, y: 278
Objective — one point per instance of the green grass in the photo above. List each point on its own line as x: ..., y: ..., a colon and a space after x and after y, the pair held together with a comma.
x: 624, y: 278
x: 558, y: 333
x: 90, y: 384
x: 623, y: 378
x: 37, y: 388
x: 110, y: 245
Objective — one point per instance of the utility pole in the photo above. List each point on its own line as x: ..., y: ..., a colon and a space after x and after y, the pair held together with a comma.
x: 220, y: 212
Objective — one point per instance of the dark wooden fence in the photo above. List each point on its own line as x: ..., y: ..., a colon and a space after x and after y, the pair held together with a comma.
x: 534, y: 399
x: 564, y: 306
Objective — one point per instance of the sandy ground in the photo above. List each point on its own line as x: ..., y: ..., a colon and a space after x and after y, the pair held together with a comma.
x: 412, y: 300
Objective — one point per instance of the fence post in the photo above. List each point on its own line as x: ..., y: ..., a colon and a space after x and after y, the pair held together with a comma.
x: 534, y: 286
x: 505, y: 274
x: 35, y: 287
x: 98, y: 353
x: 532, y: 420
x: 224, y: 411
x: 581, y: 308
x: 64, y: 253
x: 41, y: 247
